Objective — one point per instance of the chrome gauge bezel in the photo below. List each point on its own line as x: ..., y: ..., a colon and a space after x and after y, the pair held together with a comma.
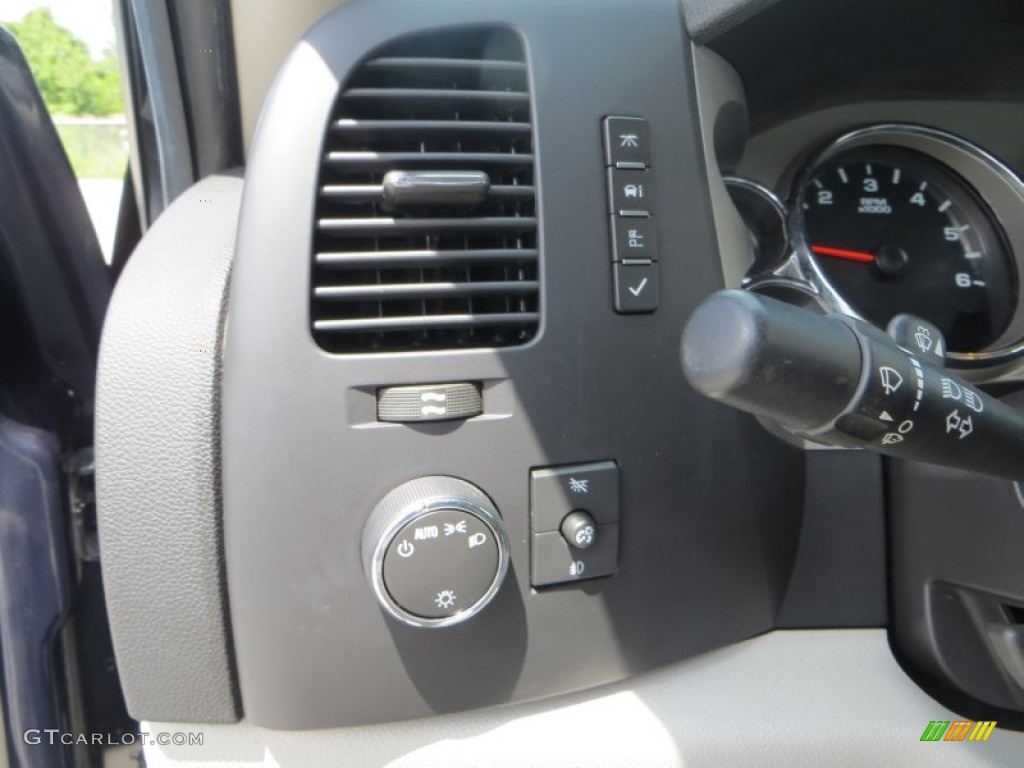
x: 999, y: 188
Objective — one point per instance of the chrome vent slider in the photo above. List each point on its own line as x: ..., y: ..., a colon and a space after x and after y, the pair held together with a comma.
x: 413, y: 189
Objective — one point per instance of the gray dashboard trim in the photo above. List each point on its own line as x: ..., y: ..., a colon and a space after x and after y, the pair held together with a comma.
x: 789, y: 698
x: 157, y: 408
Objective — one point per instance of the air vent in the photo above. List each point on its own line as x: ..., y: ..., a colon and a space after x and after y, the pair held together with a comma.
x: 426, y: 231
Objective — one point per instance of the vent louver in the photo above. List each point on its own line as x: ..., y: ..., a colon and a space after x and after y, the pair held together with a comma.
x: 434, y: 271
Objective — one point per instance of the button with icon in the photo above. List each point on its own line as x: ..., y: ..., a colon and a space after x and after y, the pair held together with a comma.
x: 626, y: 142
x: 636, y: 288
x: 630, y: 192
x: 634, y: 240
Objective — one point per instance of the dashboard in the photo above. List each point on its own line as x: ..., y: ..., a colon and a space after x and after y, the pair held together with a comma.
x: 451, y: 458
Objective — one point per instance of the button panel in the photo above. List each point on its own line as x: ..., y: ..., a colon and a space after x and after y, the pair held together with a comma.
x: 631, y: 208
x: 556, y: 495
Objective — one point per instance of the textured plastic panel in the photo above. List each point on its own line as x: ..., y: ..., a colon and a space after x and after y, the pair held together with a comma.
x: 157, y: 472
x: 792, y: 699
x: 839, y: 576
x: 710, y: 502
x: 956, y: 541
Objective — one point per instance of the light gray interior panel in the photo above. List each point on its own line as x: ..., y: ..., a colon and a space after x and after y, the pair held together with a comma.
x: 157, y: 476
x: 798, y: 698
x: 722, y: 108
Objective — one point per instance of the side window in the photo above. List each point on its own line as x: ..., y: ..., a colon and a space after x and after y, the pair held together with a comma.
x: 69, y: 44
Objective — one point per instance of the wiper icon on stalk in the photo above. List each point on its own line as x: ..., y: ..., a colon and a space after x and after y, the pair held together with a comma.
x: 891, y: 379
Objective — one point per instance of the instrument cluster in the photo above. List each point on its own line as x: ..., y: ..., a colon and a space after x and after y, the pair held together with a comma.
x: 899, y: 218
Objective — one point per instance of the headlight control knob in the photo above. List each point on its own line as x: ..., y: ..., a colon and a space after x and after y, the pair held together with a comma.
x: 579, y: 529
x: 435, y: 551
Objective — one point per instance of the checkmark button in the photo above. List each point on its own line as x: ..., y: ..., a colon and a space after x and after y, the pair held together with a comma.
x: 640, y: 287
x: 636, y: 288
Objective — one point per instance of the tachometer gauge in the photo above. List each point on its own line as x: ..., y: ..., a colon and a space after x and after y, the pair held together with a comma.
x: 893, y: 230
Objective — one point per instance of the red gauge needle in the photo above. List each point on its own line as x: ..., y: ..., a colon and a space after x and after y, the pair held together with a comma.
x: 842, y: 253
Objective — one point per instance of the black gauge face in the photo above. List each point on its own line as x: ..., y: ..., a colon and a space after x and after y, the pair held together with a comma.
x: 894, y: 231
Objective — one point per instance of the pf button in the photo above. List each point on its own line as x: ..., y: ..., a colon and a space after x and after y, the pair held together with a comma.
x: 634, y: 240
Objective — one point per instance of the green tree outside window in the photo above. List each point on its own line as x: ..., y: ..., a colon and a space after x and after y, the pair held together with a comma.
x: 71, y: 81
